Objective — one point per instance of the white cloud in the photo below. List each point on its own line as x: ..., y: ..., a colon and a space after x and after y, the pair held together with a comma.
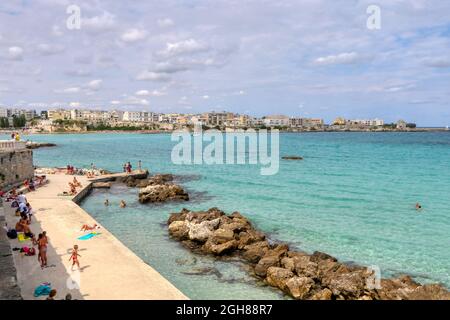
x: 78, y: 73
x: 133, y: 35
x: 15, y: 53
x: 97, y: 24
x: 94, y: 85
x: 56, y: 31
x: 74, y: 104
x: 152, y: 76
x: 342, y: 58
x: 183, y: 47
x: 146, y: 93
x: 134, y: 101
x: 49, y: 49
x: 69, y: 90
x: 142, y: 93
x: 206, y: 97
x: 440, y: 62
x: 164, y: 23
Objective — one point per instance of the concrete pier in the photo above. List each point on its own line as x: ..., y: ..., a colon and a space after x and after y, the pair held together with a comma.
x: 109, y: 270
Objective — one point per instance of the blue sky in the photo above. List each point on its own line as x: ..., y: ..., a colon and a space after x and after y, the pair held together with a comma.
x: 311, y: 58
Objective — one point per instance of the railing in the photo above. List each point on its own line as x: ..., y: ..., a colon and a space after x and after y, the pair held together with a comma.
x: 9, y: 145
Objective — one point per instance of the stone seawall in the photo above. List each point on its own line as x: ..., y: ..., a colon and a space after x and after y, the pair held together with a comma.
x: 15, y: 167
x: 9, y: 288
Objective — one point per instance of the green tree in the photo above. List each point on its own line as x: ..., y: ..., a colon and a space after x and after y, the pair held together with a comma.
x: 19, y: 122
x: 4, y: 123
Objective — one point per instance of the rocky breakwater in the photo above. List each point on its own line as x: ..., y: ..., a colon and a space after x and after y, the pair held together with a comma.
x: 157, y: 188
x: 316, y: 276
x: 37, y: 145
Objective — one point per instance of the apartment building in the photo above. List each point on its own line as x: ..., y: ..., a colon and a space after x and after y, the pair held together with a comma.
x: 276, y: 121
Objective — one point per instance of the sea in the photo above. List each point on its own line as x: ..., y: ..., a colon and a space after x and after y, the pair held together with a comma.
x: 352, y: 196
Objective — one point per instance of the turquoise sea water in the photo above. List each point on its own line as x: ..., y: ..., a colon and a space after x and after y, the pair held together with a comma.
x: 352, y: 196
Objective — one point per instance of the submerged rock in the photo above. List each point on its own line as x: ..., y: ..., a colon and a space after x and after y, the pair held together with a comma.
x: 292, y: 158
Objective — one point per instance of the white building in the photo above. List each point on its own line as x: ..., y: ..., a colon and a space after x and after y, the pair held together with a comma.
x: 137, y: 116
x: 276, y: 120
x: 367, y: 122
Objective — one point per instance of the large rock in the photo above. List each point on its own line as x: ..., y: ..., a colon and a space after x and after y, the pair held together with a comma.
x: 178, y: 216
x: 324, y: 294
x: 288, y: 263
x: 318, y: 256
x: 349, y: 285
x: 220, y: 249
x: 161, y: 193
x: 179, y: 230
x: 249, y: 237
x: 200, y: 232
x: 255, y: 251
x: 221, y: 236
x: 429, y: 292
x: 299, y: 287
x: 237, y: 225
x: 305, y: 267
x: 265, y: 263
x: 278, y: 277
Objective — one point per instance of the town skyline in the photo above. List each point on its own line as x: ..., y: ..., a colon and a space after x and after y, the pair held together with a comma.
x: 295, y: 58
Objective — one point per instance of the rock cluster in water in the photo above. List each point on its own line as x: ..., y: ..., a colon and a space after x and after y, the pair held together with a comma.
x: 316, y: 276
x: 157, y: 188
x: 292, y: 158
x: 37, y: 145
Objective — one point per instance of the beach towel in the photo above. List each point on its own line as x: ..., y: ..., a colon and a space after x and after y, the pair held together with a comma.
x: 22, y: 237
x: 42, y: 290
x: 89, y: 235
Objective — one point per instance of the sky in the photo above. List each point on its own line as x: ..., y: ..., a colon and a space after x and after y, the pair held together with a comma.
x: 309, y: 58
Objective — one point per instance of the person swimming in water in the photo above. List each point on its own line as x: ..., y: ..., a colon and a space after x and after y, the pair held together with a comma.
x: 106, y: 202
x: 418, y: 206
x: 123, y: 204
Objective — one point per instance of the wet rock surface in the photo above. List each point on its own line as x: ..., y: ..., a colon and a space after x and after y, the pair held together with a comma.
x: 157, y: 188
x: 316, y: 276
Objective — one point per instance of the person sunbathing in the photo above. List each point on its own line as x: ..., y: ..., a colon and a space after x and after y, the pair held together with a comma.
x: 73, y: 189
x: 22, y: 226
x: 76, y: 182
x: 87, y: 227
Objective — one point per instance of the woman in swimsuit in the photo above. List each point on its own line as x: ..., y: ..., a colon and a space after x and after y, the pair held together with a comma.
x: 42, y: 246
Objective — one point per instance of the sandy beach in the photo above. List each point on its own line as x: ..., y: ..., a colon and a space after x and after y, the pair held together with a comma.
x: 109, y: 270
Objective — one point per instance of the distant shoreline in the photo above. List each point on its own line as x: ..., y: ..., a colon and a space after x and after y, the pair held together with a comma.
x: 438, y: 129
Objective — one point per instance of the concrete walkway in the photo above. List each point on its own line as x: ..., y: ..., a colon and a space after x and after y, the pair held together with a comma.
x: 109, y: 270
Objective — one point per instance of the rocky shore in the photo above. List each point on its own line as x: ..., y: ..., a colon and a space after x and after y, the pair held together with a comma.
x: 157, y: 188
x: 316, y: 276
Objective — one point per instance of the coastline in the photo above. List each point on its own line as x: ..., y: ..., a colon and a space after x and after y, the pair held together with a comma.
x: 109, y: 270
x: 417, y: 130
